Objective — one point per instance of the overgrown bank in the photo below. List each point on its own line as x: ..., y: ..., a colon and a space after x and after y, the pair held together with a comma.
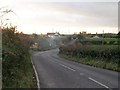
x: 104, y: 56
x: 17, y: 70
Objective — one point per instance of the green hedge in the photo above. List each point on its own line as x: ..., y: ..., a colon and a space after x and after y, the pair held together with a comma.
x: 104, y: 56
x: 16, y: 64
x: 111, y: 53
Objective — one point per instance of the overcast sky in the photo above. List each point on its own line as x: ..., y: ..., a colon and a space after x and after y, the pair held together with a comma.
x: 36, y: 16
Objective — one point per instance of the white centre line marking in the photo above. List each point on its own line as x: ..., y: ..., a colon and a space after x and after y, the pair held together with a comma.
x: 81, y: 74
x: 67, y: 67
x: 99, y: 83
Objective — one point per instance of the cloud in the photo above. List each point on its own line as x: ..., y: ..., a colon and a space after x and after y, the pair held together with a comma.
x: 73, y: 15
x: 91, y: 13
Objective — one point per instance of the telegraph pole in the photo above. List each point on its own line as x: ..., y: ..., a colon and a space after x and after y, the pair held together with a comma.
x: 103, y: 38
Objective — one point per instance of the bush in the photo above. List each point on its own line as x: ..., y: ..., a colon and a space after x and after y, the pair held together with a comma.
x: 15, y: 60
x: 110, y: 53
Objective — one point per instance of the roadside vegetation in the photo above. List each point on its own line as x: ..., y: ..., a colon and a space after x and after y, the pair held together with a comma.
x: 98, y: 52
x: 17, y: 70
x: 0, y: 59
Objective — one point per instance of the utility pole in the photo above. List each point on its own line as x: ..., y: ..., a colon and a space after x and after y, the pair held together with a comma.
x: 103, y: 38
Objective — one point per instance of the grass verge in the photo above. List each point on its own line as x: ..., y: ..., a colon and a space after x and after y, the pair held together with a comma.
x: 96, y: 62
x: 20, y: 77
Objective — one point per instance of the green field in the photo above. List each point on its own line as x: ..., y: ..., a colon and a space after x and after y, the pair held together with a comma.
x: 100, y: 41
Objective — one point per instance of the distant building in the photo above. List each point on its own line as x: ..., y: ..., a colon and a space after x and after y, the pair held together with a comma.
x: 57, y: 34
x: 96, y: 36
x: 43, y: 44
x: 49, y: 41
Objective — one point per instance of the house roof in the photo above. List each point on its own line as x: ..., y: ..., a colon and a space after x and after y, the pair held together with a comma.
x: 57, y: 33
x: 96, y: 36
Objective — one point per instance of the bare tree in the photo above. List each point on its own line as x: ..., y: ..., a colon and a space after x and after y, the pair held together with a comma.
x: 4, y: 11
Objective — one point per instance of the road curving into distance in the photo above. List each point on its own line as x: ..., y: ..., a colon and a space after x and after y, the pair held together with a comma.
x: 56, y: 72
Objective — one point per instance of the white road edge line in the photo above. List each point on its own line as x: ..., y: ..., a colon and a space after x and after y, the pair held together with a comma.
x: 99, y: 83
x: 67, y: 67
x: 36, y: 74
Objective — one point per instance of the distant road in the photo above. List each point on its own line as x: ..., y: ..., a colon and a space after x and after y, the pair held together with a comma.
x: 56, y: 72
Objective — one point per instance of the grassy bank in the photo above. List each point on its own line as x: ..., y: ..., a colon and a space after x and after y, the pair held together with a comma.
x: 20, y: 77
x: 96, y: 62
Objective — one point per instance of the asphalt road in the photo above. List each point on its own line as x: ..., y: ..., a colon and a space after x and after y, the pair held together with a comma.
x: 56, y: 72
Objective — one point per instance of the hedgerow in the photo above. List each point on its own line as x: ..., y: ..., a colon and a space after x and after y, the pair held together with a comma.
x: 106, y: 53
x: 16, y: 65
